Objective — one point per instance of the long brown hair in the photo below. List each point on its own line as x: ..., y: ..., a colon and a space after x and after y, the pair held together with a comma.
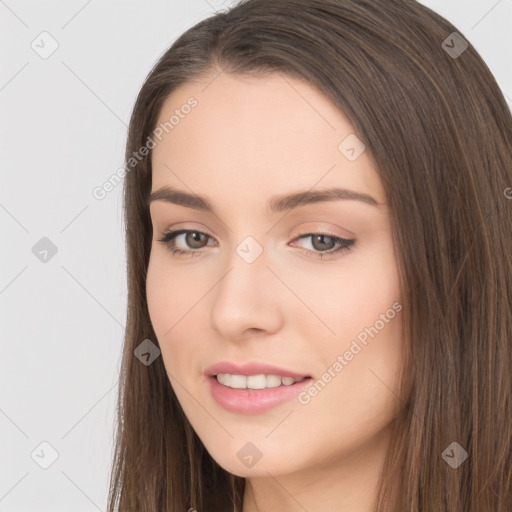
x: 434, y: 120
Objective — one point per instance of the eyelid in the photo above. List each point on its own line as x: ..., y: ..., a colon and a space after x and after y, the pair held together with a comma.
x: 183, y: 226
x: 320, y: 231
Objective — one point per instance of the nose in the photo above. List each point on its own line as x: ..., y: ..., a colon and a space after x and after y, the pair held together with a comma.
x: 247, y: 299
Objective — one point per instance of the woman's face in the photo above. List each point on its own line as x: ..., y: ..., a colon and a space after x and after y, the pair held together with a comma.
x: 252, y: 287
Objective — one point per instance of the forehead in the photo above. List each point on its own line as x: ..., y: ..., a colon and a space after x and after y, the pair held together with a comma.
x: 249, y: 134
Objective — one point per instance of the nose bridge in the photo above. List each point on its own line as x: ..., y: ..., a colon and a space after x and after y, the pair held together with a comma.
x: 248, y: 266
x: 244, y: 297
x: 250, y: 249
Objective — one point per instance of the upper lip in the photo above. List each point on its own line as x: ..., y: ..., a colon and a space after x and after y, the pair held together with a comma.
x: 250, y: 369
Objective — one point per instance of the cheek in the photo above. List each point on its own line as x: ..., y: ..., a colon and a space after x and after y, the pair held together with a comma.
x: 362, y: 306
x: 159, y: 297
x: 170, y: 294
x: 350, y: 296
x: 168, y: 302
x: 179, y: 312
x: 357, y: 382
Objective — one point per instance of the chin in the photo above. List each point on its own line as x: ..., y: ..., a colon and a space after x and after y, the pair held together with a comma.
x: 246, y: 459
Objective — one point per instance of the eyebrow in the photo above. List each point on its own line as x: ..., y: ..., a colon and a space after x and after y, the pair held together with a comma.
x: 276, y: 203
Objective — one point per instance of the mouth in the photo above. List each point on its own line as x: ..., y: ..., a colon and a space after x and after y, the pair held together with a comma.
x: 255, y: 382
x: 254, y: 394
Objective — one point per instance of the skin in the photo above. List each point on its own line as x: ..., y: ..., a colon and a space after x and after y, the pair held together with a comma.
x: 248, y: 139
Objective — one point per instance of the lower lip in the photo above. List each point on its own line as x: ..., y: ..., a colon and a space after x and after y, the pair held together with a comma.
x: 254, y: 401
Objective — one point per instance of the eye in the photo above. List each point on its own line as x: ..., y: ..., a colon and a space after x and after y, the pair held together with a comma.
x: 195, y: 240
x: 193, y: 237
x: 318, y: 241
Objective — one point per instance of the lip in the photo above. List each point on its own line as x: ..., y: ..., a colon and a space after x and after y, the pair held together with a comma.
x: 253, y: 401
x: 250, y: 369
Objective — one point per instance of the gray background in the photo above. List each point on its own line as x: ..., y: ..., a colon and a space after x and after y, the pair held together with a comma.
x: 63, y: 129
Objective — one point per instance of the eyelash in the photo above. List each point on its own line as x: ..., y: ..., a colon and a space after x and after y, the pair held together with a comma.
x: 168, y: 239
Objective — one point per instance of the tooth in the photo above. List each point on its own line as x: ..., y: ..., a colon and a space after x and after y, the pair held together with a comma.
x: 273, y: 381
x: 238, y: 381
x: 256, y: 381
x: 224, y: 378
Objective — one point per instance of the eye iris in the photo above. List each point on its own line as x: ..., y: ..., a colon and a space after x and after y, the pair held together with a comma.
x: 322, y: 243
x: 193, y: 237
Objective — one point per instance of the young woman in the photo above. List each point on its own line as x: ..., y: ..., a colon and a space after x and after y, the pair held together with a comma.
x: 319, y: 235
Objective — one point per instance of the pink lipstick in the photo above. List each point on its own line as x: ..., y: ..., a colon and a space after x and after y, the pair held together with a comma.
x: 274, y: 386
